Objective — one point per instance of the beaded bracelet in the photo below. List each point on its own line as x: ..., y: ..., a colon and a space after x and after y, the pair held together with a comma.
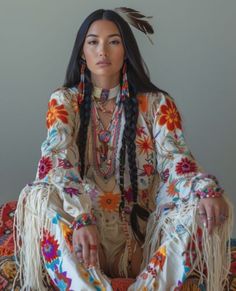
x: 210, y: 191
x: 84, y: 220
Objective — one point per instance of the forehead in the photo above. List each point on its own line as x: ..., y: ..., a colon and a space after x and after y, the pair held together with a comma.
x: 103, y: 27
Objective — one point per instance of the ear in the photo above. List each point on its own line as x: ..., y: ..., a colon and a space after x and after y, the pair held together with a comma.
x: 83, y: 57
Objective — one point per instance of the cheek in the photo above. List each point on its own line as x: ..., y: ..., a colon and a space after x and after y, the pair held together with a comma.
x: 88, y: 53
x: 120, y: 57
x: 90, y: 57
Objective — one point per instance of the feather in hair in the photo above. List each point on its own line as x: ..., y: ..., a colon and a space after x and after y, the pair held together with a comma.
x: 136, y: 19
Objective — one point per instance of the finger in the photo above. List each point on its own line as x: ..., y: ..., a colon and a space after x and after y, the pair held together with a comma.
x: 218, y: 215
x: 201, y: 212
x: 85, y: 253
x: 223, y: 216
x: 210, y: 219
x: 93, y: 248
x: 77, y: 247
x: 75, y: 240
x: 79, y: 252
x: 224, y: 213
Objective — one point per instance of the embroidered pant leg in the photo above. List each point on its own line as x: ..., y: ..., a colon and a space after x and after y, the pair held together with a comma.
x: 62, y: 265
x: 167, y: 267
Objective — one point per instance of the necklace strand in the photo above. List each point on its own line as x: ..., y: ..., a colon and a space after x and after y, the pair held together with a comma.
x: 105, y: 142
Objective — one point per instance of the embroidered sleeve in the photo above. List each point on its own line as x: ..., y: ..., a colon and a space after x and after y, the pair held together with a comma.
x: 179, y: 172
x: 59, y: 162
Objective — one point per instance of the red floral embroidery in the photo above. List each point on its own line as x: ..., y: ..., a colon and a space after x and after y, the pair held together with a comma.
x: 165, y: 175
x: 148, y: 169
x: 128, y: 195
x: 145, y: 145
x: 140, y: 131
x: 159, y: 258
x: 50, y: 247
x: 56, y: 112
x: 186, y: 166
x: 64, y: 163
x: 45, y: 165
x: 191, y: 248
x: 170, y: 116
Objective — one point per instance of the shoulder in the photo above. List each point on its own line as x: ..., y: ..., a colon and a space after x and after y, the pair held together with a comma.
x: 151, y: 101
x: 64, y: 97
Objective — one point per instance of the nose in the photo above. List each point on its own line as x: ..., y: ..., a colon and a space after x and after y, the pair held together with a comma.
x: 103, y: 50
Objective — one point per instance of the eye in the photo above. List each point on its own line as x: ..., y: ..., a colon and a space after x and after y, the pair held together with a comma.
x: 115, y: 41
x: 92, y: 42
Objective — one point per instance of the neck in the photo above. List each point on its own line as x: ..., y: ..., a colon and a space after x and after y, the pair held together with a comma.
x: 103, y: 95
x: 105, y: 82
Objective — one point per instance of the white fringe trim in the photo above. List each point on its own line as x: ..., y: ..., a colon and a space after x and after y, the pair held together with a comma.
x: 215, y: 253
x: 29, y: 221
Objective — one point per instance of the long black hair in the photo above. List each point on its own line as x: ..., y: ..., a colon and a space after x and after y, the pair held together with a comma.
x: 138, y: 80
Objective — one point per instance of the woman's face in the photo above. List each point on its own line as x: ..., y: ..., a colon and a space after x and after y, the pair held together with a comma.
x: 104, y: 52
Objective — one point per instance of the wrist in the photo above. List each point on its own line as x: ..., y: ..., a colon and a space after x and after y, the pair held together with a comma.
x: 82, y: 220
x: 212, y: 190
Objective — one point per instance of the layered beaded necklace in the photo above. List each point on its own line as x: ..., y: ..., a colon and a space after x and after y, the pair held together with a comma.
x: 105, y: 144
x: 105, y: 139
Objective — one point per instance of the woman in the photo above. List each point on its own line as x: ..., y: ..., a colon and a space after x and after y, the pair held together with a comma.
x: 117, y: 192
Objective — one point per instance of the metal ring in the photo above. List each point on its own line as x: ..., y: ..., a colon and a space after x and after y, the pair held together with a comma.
x: 78, y: 248
x: 210, y: 218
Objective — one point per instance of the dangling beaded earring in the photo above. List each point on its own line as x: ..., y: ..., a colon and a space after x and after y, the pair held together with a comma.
x: 81, y: 84
x: 125, y: 86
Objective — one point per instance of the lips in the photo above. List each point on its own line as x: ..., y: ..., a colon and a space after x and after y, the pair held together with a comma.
x: 103, y: 63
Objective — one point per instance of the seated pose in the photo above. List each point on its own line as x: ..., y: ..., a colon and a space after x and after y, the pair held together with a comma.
x: 117, y: 191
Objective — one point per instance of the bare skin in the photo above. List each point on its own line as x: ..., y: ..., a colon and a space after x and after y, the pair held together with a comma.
x: 103, y: 42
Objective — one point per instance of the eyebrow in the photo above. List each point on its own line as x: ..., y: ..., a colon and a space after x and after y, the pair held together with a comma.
x: 111, y: 35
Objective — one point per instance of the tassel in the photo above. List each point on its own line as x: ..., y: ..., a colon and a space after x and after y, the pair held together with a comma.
x: 214, y: 254
x: 81, y: 85
x: 29, y: 221
x: 125, y: 85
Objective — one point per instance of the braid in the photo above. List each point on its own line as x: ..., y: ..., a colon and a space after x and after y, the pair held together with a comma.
x: 122, y: 169
x: 85, y: 110
x: 128, y: 141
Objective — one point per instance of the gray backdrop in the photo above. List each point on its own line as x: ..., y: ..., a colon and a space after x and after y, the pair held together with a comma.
x: 193, y: 58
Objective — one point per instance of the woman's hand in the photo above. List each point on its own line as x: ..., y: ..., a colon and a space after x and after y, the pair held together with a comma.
x: 212, y: 212
x: 85, y: 245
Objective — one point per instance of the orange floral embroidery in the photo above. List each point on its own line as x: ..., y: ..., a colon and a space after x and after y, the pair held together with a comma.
x: 56, y: 112
x: 171, y: 189
x: 159, y: 257
x: 145, y: 145
x: 109, y: 201
x: 75, y: 105
x: 67, y: 233
x: 170, y: 116
x: 143, y: 103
